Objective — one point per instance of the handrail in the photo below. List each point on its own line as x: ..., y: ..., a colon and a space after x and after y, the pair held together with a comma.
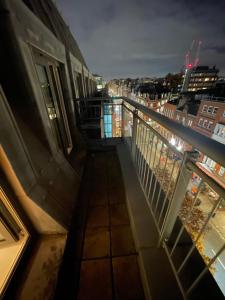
x: 209, y: 147
x: 206, y: 145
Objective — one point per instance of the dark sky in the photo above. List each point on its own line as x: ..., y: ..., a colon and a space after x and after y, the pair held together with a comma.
x: 130, y: 38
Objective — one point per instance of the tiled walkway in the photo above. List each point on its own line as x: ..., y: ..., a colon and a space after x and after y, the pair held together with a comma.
x: 109, y: 268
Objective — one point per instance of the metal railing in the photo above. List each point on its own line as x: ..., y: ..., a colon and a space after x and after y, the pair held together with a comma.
x: 186, y: 200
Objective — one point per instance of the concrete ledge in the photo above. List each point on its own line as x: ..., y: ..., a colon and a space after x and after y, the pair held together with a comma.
x: 157, y: 275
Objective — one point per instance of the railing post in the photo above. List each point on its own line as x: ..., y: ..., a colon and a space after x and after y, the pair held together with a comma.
x: 102, y: 125
x: 134, y: 133
x: 122, y: 121
x: 178, y: 196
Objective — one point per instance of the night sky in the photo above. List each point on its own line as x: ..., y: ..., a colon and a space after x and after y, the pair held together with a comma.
x: 135, y: 38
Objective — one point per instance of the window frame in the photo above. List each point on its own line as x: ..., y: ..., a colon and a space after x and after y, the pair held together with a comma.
x: 210, y: 109
x: 54, y: 75
x: 204, y: 108
x: 215, y: 108
x: 200, y: 122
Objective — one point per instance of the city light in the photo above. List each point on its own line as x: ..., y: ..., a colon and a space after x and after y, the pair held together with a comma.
x: 173, y: 141
x: 179, y: 147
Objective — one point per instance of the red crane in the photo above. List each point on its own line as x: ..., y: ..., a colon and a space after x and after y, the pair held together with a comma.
x: 191, y: 61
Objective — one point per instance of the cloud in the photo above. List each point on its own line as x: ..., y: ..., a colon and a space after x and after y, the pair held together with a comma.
x: 145, y: 37
x: 217, y: 49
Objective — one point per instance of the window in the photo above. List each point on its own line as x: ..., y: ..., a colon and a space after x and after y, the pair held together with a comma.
x: 200, y: 122
x: 215, y: 109
x: 210, y: 125
x: 222, y: 170
x: 210, y: 109
x: 224, y: 114
x: 50, y: 76
x: 205, y: 122
x: 13, y: 238
x: 190, y: 122
x: 222, y: 132
x: 204, y: 109
x: 217, y: 129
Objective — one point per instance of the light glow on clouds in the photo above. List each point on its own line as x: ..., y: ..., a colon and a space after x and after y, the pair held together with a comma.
x: 145, y: 37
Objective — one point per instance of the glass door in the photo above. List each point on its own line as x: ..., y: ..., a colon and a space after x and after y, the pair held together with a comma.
x: 13, y: 238
x: 48, y: 72
x: 49, y: 103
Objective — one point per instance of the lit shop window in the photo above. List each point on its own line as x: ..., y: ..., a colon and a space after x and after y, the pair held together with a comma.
x: 222, y: 170
x: 222, y: 132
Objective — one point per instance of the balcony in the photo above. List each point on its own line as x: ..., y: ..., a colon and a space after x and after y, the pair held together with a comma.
x: 176, y: 210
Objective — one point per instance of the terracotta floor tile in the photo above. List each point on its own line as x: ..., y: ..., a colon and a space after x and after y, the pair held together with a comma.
x: 115, y: 182
x: 122, y: 241
x: 116, y: 196
x: 98, y: 216
x: 127, y: 280
x: 119, y: 214
x: 95, y: 280
x: 98, y: 198
x: 102, y: 196
x: 98, y: 182
x: 96, y: 243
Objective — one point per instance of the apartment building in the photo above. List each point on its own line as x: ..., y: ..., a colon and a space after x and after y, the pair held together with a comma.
x: 210, y: 113
x: 42, y: 73
x: 210, y: 121
x: 201, y: 78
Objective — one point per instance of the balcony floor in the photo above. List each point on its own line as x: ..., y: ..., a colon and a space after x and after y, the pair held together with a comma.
x: 100, y: 258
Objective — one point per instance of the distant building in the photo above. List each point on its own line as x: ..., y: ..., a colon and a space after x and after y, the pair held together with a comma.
x: 99, y: 82
x: 200, y: 78
x: 210, y: 119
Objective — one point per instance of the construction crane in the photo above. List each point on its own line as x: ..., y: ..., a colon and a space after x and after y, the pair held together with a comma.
x: 191, y: 61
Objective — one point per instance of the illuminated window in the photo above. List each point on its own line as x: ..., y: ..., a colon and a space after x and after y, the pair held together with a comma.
x: 222, y: 170
x: 222, y: 132
x: 190, y: 122
x: 205, y: 122
x: 210, y: 124
x: 200, y: 122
